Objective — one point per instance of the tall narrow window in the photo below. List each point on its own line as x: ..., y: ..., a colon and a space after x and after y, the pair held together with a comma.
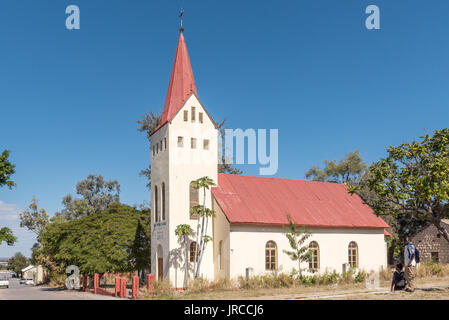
x: 353, y: 255
x: 165, y: 143
x: 154, y: 150
x: 193, y: 114
x: 193, y: 246
x: 161, y: 145
x: 186, y: 115
x: 194, y: 199
x: 193, y: 143
x: 314, y: 262
x: 156, y: 204
x: 163, y: 201
x: 220, y: 254
x: 180, y: 142
x: 270, y: 255
x: 157, y: 147
x: 200, y: 117
x: 206, y: 144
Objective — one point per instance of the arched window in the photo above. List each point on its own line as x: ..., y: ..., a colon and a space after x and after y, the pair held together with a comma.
x: 270, y: 256
x: 163, y: 201
x: 156, y: 204
x: 194, y: 199
x: 160, y: 263
x: 314, y: 248
x: 192, y: 251
x: 220, y: 254
x: 353, y: 255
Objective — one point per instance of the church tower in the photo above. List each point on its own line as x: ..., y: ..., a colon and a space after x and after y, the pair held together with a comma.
x: 183, y: 149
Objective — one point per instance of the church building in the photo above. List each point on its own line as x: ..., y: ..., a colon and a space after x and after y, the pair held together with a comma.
x: 248, y: 230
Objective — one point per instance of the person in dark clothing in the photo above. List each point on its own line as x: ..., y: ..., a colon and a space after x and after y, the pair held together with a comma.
x: 398, y: 282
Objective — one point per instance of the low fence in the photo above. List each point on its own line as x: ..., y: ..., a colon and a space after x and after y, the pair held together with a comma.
x: 120, y: 289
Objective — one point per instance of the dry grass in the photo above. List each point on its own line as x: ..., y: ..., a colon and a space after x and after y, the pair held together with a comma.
x: 350, y: 284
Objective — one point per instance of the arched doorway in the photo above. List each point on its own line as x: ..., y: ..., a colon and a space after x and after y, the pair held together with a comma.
x: 160, y: 263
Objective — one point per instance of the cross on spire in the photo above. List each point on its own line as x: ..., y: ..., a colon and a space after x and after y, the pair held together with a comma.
x: 181, y: 13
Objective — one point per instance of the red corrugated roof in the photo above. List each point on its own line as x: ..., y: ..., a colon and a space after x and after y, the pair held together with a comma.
x: 182, y: 83
x: 386, y: 233
x: 266, y: 201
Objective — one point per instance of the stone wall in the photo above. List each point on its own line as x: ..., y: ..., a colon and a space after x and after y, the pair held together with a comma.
x: 428, y: 241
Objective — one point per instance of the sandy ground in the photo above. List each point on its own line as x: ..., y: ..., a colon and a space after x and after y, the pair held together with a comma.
x: 426, y: 289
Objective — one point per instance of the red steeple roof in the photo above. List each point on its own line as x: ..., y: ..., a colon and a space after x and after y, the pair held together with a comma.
x: 182, y: 83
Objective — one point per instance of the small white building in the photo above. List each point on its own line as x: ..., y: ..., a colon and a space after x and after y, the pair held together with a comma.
x: 37, y: 273
x: 251, y: 212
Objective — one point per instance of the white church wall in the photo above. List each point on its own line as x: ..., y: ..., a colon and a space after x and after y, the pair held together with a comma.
x: 186, y: 165
x: 221, y: 234
x: 159, y: 170
x: 247, y: 248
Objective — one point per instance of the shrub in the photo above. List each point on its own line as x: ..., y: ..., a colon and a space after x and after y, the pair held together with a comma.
x: 310, y: 280
x: 430, y: 269
x: 327, y: 278
x: 360, y: 276
x: 267, y: 281
x: 347, y: 276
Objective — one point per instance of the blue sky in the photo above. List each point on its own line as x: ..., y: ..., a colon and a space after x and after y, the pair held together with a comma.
x: 69, y: 99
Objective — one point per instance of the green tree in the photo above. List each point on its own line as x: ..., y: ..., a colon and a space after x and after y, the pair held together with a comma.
x: 7, y: 169
x: 203, y: 214
x: 18, y: 262
x: 140, y: 251
x: 34, y: 219
x: 401, y: 224
x: 7, y: 236
x: 99, y: 243
x: 183, y: 231
x: 413, y: 181
x: 296, y: 237
x: 97, y: 195
x: 347, y: 170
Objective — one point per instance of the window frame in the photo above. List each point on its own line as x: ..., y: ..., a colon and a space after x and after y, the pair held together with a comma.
x: 353, y: 254
x: 193, y: 114
x: 314, y: 263
x: 271, y: 253
x: 192, y: 251
x: 180, y: 142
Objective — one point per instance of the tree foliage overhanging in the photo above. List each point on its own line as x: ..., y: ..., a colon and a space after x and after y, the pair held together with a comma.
x: 7, y: 169
x: 412, y: 183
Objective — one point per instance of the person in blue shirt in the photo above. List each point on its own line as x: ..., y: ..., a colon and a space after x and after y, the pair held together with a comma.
x: 409, y: 263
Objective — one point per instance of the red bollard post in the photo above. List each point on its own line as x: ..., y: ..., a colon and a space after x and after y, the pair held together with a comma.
x: 117, y: 286
x: 135, y: 286
x: 150, y: 280
x: 84, y: 282
x: 96, y: 282
x: 123, y: 288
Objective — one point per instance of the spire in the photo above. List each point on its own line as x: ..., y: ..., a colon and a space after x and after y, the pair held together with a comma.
x: 182, y: 83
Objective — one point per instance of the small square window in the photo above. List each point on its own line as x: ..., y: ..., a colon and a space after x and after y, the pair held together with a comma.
x: 200, y: 117
x: 193, y: 114
x: 193, y: 143
x: 206, y: 144
x: 186, y: 115
x: 180, y: 142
